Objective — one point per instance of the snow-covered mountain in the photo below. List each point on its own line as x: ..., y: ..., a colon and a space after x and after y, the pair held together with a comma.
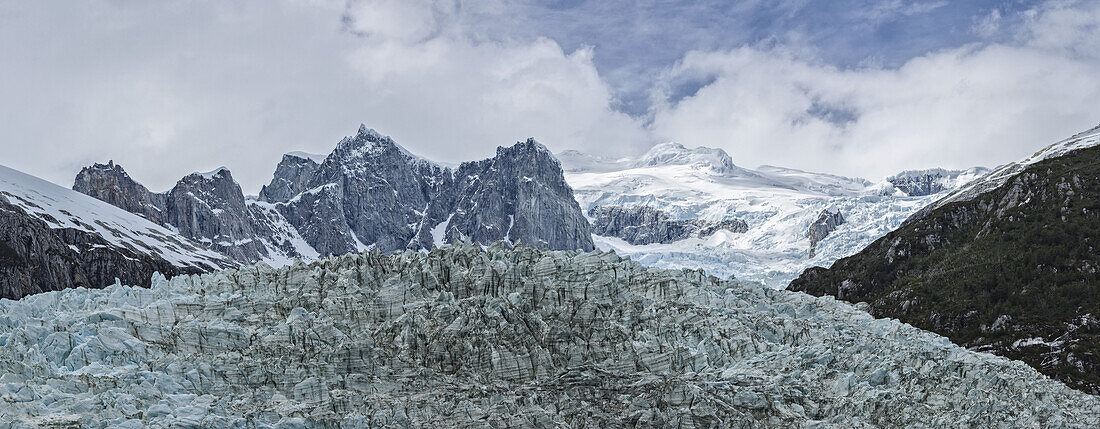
x: 779, y: 205
x: 369, y: 193
x: 996, y: 178
x: 53, y: 238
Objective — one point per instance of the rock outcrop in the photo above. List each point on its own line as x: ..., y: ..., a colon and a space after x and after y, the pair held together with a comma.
x: 110, y: 183
x: 369, y: 193
x: 641, y: 225
x: 1011, y: 271
x: 518, y: 196
x: 461, y: 336
x: 209, y: 208
x: 52, y: 238
x: 825, y: 224
x: 292, y: 177
x: 919, y: 183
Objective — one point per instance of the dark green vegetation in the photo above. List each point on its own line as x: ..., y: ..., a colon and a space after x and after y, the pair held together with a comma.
x: 1012, y: 272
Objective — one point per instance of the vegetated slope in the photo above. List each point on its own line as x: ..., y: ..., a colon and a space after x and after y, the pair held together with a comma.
x: 461, y: 336
x: 52, y: 238
x: 780, y: 208
x: 1012, y: 270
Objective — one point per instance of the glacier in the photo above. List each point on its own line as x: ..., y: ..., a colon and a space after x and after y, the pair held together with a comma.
x: 467, y: 335
x: 779, y: 205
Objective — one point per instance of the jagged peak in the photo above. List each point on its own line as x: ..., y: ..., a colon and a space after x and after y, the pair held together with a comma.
x: 368, y: 141
x: 530, y: 143
x: 110, y: 165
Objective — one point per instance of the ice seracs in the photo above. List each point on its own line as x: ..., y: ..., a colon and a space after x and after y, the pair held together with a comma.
x: 466, y: 336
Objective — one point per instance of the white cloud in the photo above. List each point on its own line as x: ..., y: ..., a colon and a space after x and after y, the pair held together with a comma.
x: 170, y: 88
x: 976, y: 105
x: 165, y: 89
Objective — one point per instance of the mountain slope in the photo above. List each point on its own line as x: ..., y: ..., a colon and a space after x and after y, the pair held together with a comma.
x: 465, y: 337
x: 52, y: 238
x: 779, y: 206
x: 1007, y: 265
x: 368, y: 193
x: 209, y: 208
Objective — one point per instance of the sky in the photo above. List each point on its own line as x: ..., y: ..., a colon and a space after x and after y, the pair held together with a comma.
x: 851, y: 87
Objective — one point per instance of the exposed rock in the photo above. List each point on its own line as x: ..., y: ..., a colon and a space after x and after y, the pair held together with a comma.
x: 110, y: 183
x: 641, y: 225
x: 35, y: 258
x: 825, y: 224
x: 292, y: 177
x: 369, y: 193
x: 520, y: 195
x: 210, y: 208
x: 52, y: 238
x: 1012, y: 271
x: 919, y: 183
x: 462, y: 337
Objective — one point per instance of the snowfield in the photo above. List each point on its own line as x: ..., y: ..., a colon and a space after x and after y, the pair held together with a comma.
x: 779, y: 204
x: 461, y: 336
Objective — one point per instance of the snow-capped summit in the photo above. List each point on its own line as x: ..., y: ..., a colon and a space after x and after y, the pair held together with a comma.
x: 781, y: 207
x: 315, y: 157
x: 676, y: 154
x: 210, y: 175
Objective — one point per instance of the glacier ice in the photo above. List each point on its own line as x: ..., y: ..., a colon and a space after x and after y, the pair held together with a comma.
x: 471, y: 336
x: 778, y: 204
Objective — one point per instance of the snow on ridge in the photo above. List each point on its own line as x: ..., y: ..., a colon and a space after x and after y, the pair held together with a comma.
x: 315, y: 157
x: 1004, y: 173
x: 61, y: 208
x: 212, y: 173
x: 778, y: 204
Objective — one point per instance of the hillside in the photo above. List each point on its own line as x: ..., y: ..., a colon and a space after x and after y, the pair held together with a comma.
x: 1011, y: 270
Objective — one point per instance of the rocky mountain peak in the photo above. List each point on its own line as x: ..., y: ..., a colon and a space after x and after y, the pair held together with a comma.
x: 110, y: 183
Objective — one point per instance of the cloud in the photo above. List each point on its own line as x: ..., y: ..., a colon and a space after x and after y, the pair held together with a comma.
x: 170, y: 88
x: 975, y: 105
x: 166, y: 89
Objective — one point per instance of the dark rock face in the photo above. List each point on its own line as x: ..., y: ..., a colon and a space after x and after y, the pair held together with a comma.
x: 110, y: 183
x: 520, y: 195
x: 826, y: 223
x: 1012, y: 270
x: 35, y: 258
x: 380, y: 190
x: 647, y: 225
x: 210, y: 208
x: 292, y: 177
x: 369, y: 193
